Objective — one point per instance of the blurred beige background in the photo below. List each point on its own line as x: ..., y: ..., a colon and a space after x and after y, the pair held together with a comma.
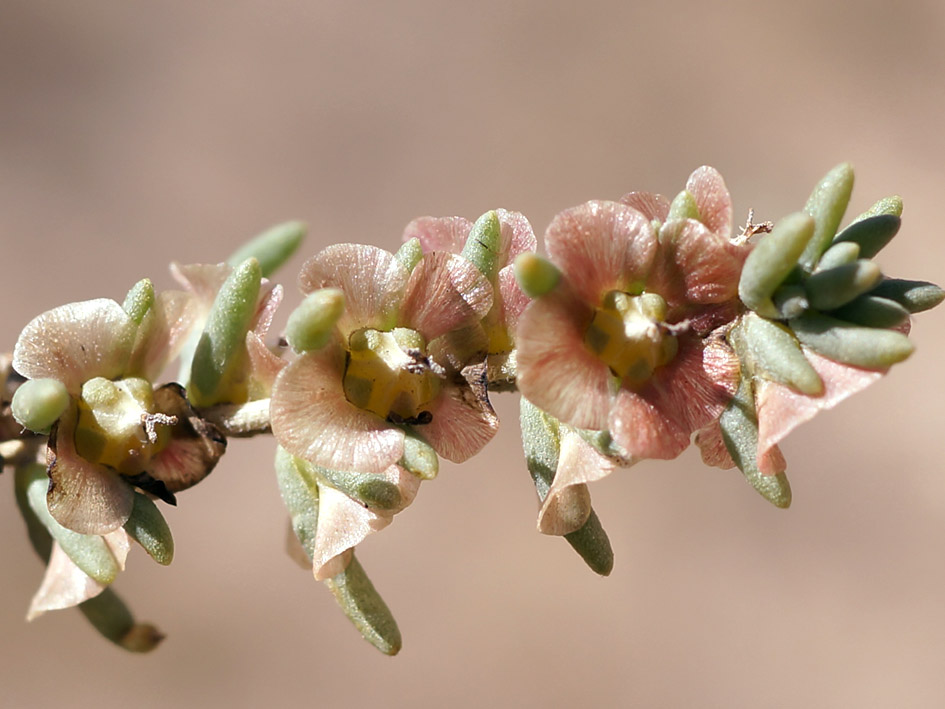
x: 132, y: 133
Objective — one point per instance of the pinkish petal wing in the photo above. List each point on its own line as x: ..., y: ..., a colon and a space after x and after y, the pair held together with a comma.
x: 712, y: 447
x: 269, y: 302
x: 513, y: 300
x: 781, y: 409
x: 76, y: 342
x: 264, y: 366
x: 312, y: 418
x: 64, y: 585
x: 463, y: 419
x: 650, y: 205
x: 602, y: 246
x: 439, y: 233
x: 371, y: 279
x: 713, y: 200
x: 517, y: 236
x: 644, y: 430
x: 83, y: 496
x: 705, y: 265
x: 342, y: 524
x: 163, y: 333
x: 203, y: 280
x: 556, y: 372
x: 445, y: 292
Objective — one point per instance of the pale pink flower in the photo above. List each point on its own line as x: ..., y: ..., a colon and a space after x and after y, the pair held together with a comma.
x: 632, y: 339
x: 345, y: 406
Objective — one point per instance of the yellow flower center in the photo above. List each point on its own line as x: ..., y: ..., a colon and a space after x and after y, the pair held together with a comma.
x: 629, y: 335
x: 117, y: 425
x: 390, y: 374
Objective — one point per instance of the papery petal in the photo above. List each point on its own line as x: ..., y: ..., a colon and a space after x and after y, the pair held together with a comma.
x: 514, y: 301
x: 64, y: 585
x: 697, y: 265
x: 463, y: 419
x: 76, y: 342
x: 163, y: 333
x: 371, y: 279
x: 715, y: 452
x: 713, y: 200
x: 602, y: 246
x: 264, y: 366
x: 195, y: 447
x: 269, y: 301
x: 312, y: 418
x: 578, y: 464
x: 445, y: 292
x: 650, y: 205
x: 644, y: 430
x: 83, y: 496
x: 439, y: 233
x: 556, y: 372
x: 344, y: 523
x: 781, y: 409
x: 203, y: 280
x: 517, y: 236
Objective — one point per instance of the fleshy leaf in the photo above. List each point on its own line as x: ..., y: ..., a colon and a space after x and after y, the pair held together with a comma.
x: 38, y: 403
x: 826, y: 205
x: 774, y: 352
x: 840, y: 253
x: 536, y: 276
x: 837, y: 286
x: 300, y: 495
x: 914, y: 296
x: 409, y: 254
x: 683, y: 206
x: 272, y: 248
x: 419, y: 457
x: 772, y: 259
x: 148, y: 527
x: 364, y: 607
x: 139, y: 301
x: 311, y: 325
x: 109, y: 615
x: 870, y: 234
x: 840, y: 341
x: 483, y: 245
x: 872, y: 311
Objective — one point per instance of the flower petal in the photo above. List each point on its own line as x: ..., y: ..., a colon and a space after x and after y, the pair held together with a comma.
x: 713, y: 200
x: 203, y: 280
x: 514, y: 300
x: 269, y: 301
x: 463, y: 419
x: 163, y: 333
x: 445, y: 292
x: 650, y: 205
x: 602, y: 246
x: 517, y: 236
x: 76, y: 342
x: 311, y: 418
x: 264, y: 366
x: 196, y: 445
x: 371, y: 279
x: 84, y: 497
x: 781, y: 409
x: 556, y: 372
x: 645, y: 431
x: 439, y: 233
x: 64, y: 585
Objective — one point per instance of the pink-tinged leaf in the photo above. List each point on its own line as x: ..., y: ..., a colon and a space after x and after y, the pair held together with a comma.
x: 83, y: 496
x: 568, y: 504
x: 445, y: 292
x: 650, y: 205
x: 264, y: 366
x: 344, y: 523
x: 64, y: 585
x: 602, y: 246
x: 781, y: 409
x: 195, y: 447
x: 556, y: 372
x: 312, y: 418
x: 76, y: 342
x: 713, y: 200
x: 371, y: 279
x: 439, y: 233
x: 163, y: 333
x: 697, y: 265
x: 463, y: 419
x: 517, y: 236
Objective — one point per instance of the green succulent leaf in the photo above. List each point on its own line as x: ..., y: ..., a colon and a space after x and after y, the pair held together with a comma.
x: 419, y: 457
x: 914, y: 296
x: 39, y: 536
x: 409, y: 254
x: 109, y: 615
x: 839, y: 254
x: 272, y: 248
x: 38, y: 403
x: 147, y: 526
x: 837, y: 286
x: 887, y: 205
x: 865, y: 347
x: 872, y: 311
x: 364, y: 607
x: 139, y: 301
x: 483, y: 244
x: 870, y: 234
x: 312, y: 324
x: 774, y: 353
x: 790, y: 301
x: 826, y: 205
x: 300, y: 494
x: 536, y: 276
x: 683, y: 206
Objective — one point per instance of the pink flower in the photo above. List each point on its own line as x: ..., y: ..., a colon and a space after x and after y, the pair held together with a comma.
x: 116, y: 432
x: 632, y: 339
x: 346, y: 406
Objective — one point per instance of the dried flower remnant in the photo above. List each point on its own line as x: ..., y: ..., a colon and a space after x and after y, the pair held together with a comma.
x: 631, y: 340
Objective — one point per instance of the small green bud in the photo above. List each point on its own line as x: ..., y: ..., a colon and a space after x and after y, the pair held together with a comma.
x: 840, y: 341
x: 147, y: 526
x: 223, y: 338
x: 409, y: 254
x: 914, y: 296
x: 38, y: 403
x: 772, y: 260
x: 364, y: 606
x: 272, y: 248
x: 536, y: 276
x: 871, y: 234
x: 419, y: 457
x: 826, y: 205
x: 775, y: 354
x: 483, y: 243
x: 139, y: 301
x: 311, y: 325
x: 683, y: 206
x: 839, y: 285
x: 871, y: 311
x: 842, y: 252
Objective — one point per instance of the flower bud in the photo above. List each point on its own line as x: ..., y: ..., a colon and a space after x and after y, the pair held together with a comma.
x: 38, y: 403
x: 536, y: 276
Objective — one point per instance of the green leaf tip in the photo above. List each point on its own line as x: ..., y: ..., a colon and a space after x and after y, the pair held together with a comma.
x: 827, y: 205
x: 771, y: 350
x: 483, y: 244
x: 536, y: 276
x: 914, y: 296
x: 38, y: 403
x: 865, y: 347
x: 772, y: 260
x: 837, y: 286
x: 409, y: 254
x: 272, y: 248
x: 683, y: 206
x: 139, y: 301
x: 109, y: 615
x: 870, y: 234
x: 311, y: 325
x: 872, y: 311
x: 147, y: 526
x: 419, y: 457
x: 222, y: 345
x: 300, y: 494
x: 364, y: 607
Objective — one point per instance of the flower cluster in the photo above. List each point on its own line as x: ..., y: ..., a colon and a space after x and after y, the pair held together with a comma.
x: 650, y: 325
